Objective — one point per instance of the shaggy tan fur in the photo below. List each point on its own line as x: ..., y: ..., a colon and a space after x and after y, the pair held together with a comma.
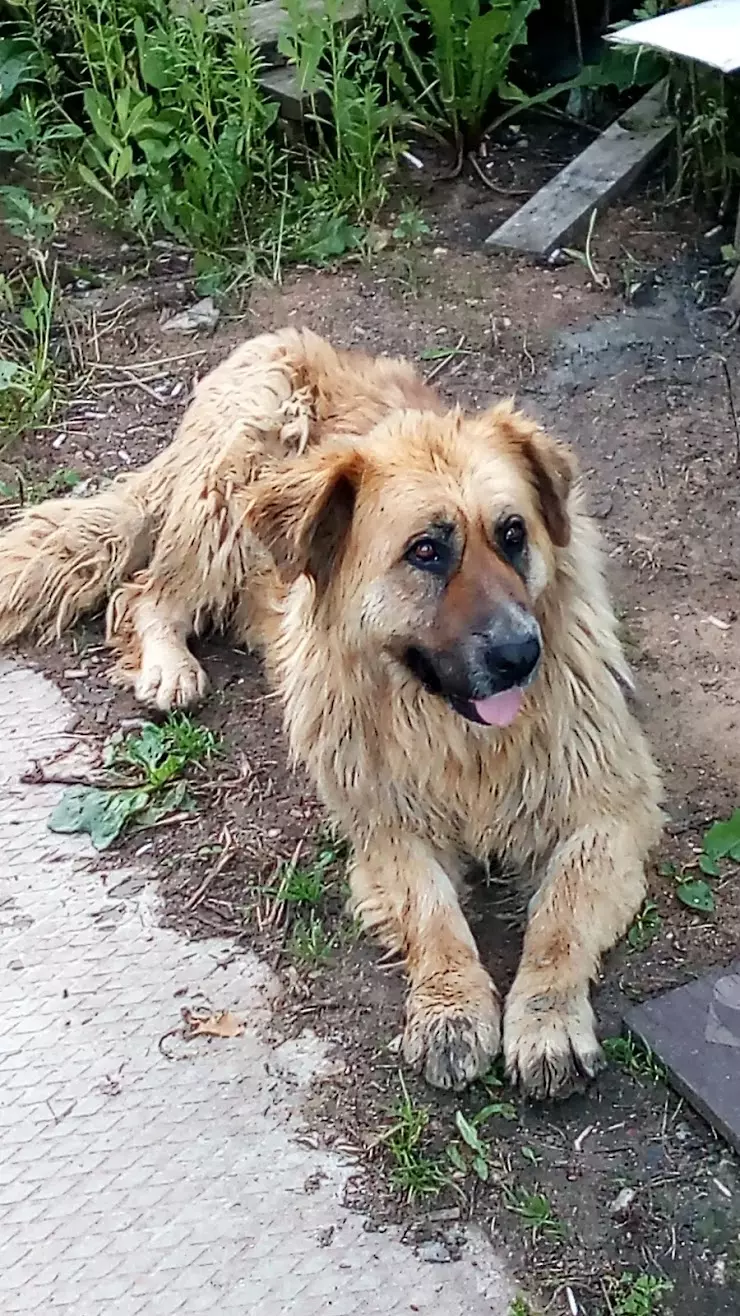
x: 567, y: 794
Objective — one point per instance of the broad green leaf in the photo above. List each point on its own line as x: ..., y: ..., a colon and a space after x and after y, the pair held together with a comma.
x: 469, y: 1134
x: 723, y: 837
x: 169, y: 801
x: 92, y: 181
x: 8, y: 373
x: 101, y: 814
x: 505, y: 1109
x: 696, y: 894
x: 155, y: 68
x: 455, y: 1156
x: 124, y: 164
x: 138, y: 118
x: 18, y: 64
x: 708, y: 865
x: 100, y: 113
x: 508, y: 91
x: 480, y: 1165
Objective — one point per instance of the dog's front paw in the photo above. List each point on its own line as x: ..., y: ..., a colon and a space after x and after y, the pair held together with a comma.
x: 453, y: 1031
x: 550, y: 1045
x: 178, y: 682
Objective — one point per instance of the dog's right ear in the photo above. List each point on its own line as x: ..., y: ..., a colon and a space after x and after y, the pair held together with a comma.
x: 302, y: 511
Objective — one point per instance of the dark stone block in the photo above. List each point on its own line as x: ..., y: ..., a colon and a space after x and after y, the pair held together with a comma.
x: 694, y: 1031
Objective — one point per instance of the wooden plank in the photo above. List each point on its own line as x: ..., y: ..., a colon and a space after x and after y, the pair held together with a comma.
x: 267, y: 19
x: 284, y: 86
x: 602, y: 172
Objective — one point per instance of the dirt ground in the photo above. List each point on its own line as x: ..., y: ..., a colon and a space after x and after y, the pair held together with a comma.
x: 643, y: 379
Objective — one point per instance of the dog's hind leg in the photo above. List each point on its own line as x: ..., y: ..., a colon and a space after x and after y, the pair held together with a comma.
x: 64, y: 557
x: 401, y: 891
x: 198, y: 568
x: 206, y: 558
x: 593, y: 887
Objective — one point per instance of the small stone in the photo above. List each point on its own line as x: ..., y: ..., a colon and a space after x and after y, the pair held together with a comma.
x: 434, y: 1251
x: 202, y: 315
x: 719, y: 1272
x: 622, y: 1204
x: 15, y: 965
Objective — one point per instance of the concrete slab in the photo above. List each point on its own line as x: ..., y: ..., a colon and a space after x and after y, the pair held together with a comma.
x: 136, y: 1180
x: 694, y: 1031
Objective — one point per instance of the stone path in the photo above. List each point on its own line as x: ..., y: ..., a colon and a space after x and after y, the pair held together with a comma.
x: 139, y: 1179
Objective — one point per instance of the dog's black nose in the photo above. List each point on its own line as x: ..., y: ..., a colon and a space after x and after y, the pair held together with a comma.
x: 515, y: 659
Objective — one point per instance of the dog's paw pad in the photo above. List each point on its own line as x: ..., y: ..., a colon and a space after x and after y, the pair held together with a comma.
x: 550, y: 1047
x: 451, y: 1047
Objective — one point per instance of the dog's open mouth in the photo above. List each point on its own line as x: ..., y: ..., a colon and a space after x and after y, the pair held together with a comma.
x: 495, y: 711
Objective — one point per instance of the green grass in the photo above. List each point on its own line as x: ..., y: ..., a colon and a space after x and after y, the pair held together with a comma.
x: 301, y: 886
x: 27, y: 492
x: 157, y: 113
x: 471, y: 1151
x: 144, y: 782
x: 646, y: 927
x: 536, y: 1214
x: 413, y: 1172
x: 30, y: 377
x: 161, y: 751
x: 638, y: 1295
x: 310, y: 944
x: 306, y: 884
x: 634, y: 1059
x: 520, y: 1307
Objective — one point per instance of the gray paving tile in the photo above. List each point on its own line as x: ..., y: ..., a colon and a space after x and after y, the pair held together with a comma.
x: 181, y: 1189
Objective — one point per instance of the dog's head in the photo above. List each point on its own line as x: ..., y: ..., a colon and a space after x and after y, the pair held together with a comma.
x: 430, y: 542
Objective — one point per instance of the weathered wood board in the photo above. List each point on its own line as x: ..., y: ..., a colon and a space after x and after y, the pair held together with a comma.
x: 284, y: 86
x: 555, y: 214
x: 267, y: 19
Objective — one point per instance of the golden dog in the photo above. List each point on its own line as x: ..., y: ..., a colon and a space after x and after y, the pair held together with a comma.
x: 428, y: 591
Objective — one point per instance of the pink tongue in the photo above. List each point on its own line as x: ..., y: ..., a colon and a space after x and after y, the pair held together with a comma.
x: 499, y: 710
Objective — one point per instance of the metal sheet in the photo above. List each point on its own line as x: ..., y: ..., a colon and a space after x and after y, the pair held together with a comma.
x: 708, y: 32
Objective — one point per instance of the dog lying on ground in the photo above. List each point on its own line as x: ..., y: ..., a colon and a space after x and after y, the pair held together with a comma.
x: 427, y: 589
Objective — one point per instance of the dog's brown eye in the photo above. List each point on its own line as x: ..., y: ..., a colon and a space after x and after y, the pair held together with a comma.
x: 512, y: 535
x: 425, y: 551
x: 429, y: 555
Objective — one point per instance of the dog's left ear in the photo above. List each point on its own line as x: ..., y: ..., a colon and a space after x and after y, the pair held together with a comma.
x: 303, y: 509
x: 550, y: 466
x: 553, y: 469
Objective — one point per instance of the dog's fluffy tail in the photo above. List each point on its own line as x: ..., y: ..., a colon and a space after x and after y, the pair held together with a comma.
x: 64, y: 558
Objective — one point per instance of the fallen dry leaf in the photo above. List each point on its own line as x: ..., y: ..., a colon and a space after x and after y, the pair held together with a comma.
x: 224, y: 1024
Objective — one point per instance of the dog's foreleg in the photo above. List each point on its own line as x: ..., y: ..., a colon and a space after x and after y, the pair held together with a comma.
x: 153, y: 649
x: 402, y: 892
x: 592, y: 888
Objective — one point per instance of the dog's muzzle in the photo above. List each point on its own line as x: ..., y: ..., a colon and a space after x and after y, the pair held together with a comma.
x: 485, y: 675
